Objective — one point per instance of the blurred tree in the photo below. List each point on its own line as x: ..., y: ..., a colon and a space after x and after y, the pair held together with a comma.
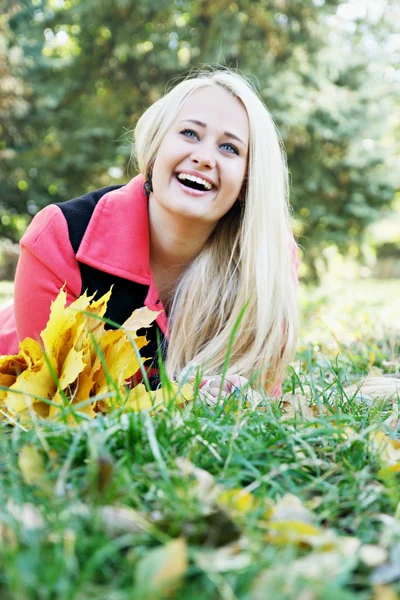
x: 86, y: 69
x: 14, y: 107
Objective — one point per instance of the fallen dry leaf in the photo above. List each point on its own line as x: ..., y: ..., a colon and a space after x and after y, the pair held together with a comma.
x: 26, y: 515
x: 31, y: 465
x: 236, y: 501
x: 141, y: 318
x: 118, y: 520
x: 290, y: 508
x: 385, y: 592
x: 392, y: 422
x: 227, y: 558
x: 163, y: 568
x: 387, y: 448
x: 290, y: 522
x: 206, y: 486
x: 314, y: 567
x: 296, y: 406
x: 373, y: 555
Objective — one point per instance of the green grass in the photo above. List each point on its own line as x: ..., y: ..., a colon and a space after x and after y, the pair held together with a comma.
x: 57, y: 539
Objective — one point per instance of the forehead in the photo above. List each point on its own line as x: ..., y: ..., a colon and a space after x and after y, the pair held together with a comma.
x: 217, y: 108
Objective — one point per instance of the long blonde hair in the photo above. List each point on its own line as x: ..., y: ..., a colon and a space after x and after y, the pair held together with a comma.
x: 247, y: 262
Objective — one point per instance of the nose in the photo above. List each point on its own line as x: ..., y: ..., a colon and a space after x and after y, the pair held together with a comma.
x: 203, y: 157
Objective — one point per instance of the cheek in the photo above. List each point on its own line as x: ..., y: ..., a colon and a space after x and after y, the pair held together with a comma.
x: 166, y: 161
x: 160, y: 167
x: 237, y: 179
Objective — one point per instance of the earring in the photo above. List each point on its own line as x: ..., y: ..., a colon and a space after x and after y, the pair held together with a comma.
x: 148, y: 186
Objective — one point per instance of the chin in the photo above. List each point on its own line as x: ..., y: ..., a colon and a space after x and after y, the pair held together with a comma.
x: 184, y: 209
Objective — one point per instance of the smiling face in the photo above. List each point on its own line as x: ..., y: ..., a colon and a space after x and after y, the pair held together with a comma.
x: 201, y: 163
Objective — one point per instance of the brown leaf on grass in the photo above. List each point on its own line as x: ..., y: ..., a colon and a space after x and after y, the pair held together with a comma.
x: 385, y: 592
x: 290, y: 508
x: 206, y: 486
x: 387, y: 448
x: 118, y: 520
x: 231, y: 557
x: 297, y: 406
x: 322, y: 566
x: 26, y: 515
x: 392, y: 422
x: 115, y: 519
x: 373, y: 555
x: 8, y: 537
x: 290, y: 522
x: 298, y: 577
x: 31, y: 465
x: 237, y: 501
x: 162, y: 569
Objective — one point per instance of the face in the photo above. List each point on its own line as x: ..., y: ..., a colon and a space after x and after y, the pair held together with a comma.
x: 201, y: 163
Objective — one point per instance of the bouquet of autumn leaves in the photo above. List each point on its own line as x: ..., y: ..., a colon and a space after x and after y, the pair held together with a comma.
x: 79, y: 366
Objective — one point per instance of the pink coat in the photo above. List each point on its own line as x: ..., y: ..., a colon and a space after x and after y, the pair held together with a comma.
x: 116, y: 241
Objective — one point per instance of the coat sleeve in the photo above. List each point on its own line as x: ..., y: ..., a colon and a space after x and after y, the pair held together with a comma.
x: 47, y: 262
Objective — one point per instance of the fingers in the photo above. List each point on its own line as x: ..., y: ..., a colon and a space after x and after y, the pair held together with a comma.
x: 228, y: 381
x: 219, y: 387
x: 236, y: 382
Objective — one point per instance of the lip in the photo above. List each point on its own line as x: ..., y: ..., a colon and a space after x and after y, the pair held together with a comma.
x: 198, y: 174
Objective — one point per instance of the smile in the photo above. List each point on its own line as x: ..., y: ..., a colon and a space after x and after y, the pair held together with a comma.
x: 194, y: 183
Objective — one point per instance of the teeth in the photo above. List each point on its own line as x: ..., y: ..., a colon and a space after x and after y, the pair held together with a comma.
x: 203, y: 182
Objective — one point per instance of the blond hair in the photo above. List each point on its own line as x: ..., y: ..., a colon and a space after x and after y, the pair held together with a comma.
x: 246, y: 267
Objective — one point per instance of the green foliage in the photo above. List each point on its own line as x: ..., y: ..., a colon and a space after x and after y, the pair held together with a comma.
x: 118, y: 507
x: 80, y: 72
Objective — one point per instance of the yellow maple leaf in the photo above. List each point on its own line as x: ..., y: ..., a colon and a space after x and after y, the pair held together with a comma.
x: 30, y: 386
x: 31, y: 465
x: 6, y: 380
x: 237, y: 500
x: 12, y: 364
x: 116, y: 359
x: 387, y: 448
x: 140, y: 318
x: 71, y: 368
x: 77, y: 361
x: 31, y: 351
x: 160, y: 572
x: 140, y: 399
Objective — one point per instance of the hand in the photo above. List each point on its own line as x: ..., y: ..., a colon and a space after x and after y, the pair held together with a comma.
x: 217, y: 387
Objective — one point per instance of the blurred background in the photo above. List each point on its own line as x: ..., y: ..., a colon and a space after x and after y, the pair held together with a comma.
x: 76, y: 74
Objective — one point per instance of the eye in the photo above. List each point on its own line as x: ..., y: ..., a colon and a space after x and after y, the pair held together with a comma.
x: 230, y: 148
x: 190, y: 133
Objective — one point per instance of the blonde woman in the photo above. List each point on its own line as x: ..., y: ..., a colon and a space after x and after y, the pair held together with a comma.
x: 202, y: 235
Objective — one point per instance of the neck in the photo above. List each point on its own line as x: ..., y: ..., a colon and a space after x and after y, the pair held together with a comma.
x: 174, y: 243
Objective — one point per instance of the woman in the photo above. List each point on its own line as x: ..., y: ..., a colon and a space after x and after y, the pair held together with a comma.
x: 202, y: 235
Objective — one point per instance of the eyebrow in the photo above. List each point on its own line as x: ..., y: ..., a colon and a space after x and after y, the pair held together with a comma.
x: 201, y: 124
